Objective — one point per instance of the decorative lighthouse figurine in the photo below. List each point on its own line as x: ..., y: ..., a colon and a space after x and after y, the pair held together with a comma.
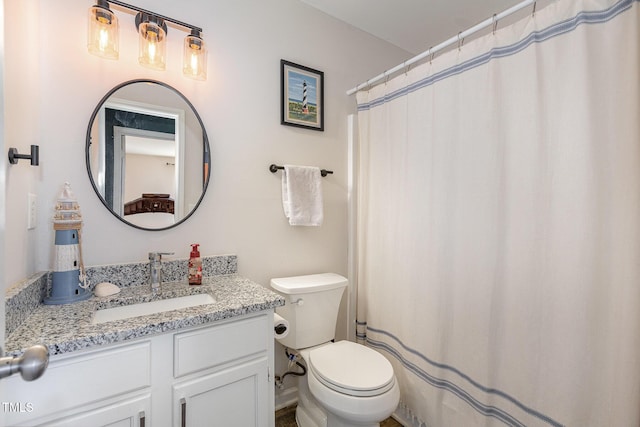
x: 68, y: 282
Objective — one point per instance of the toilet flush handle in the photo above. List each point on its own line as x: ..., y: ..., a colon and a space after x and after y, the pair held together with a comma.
x: 298, y: 302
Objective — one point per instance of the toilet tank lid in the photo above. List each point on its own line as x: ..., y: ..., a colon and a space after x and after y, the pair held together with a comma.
x: 309, y: 283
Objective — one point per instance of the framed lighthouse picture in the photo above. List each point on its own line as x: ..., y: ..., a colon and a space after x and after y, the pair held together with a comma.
x: 302, y: 97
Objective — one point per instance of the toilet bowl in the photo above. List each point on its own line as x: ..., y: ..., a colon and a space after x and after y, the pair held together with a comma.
x: 353, y: 383
x: 346, y: 384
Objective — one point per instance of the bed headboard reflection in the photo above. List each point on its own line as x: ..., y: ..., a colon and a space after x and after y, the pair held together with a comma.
x: 150, y: 202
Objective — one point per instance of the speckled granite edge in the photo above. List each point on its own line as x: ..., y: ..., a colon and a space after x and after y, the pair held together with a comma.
x: 23, y: 297
x: 68, y: 327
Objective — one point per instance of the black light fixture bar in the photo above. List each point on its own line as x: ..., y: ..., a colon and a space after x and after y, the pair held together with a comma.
x: 148, y: 12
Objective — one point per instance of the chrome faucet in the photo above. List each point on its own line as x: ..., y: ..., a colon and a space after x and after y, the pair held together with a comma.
x: 155, y: 270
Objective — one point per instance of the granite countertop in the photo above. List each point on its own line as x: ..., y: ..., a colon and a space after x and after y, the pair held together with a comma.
x: 67, y: 328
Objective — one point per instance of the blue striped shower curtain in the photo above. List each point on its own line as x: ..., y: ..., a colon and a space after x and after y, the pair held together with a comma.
x: 499, y: 224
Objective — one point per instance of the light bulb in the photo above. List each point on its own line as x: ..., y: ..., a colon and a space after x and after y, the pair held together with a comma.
x: 104, y: 40
x: 194, y: 60
x: 102, y: 37
x: 152, y: 45
x: 194, y: 63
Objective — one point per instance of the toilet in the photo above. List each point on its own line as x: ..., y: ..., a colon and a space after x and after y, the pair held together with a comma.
x: 346, y: 384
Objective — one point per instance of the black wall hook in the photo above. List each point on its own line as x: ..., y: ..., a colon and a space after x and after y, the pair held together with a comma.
x: 34, y: 156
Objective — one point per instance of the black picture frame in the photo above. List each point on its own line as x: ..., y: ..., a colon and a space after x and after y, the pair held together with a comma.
x: 301, y: 96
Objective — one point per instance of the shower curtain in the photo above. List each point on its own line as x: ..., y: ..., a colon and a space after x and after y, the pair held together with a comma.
x: 499, y: 224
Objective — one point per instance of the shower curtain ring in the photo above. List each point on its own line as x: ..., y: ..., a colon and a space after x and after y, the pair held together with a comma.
x: 533, y: 12
x: 495, y: 23
x: 407, y: 68
x: 460, y: 41
x: 431, y: 55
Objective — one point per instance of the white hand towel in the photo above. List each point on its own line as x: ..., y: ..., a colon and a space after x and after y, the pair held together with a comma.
x: 302, y: 195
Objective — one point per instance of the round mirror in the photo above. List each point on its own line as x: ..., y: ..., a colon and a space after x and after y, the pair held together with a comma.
x: 148, y: 154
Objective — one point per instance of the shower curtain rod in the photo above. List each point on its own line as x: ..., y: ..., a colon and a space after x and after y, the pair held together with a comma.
x: 455, y: 39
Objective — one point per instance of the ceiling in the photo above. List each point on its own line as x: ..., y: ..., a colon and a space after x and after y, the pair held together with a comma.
x: 413, y: 25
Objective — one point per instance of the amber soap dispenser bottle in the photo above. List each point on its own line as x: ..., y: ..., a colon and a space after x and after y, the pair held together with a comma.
x: 195, y: 266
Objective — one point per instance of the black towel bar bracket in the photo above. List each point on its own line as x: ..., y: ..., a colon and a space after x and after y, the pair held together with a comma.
x: 275, y: 168
x: 14, y: 156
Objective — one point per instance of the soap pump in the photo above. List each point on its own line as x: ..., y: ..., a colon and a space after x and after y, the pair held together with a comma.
x: 195, y: 266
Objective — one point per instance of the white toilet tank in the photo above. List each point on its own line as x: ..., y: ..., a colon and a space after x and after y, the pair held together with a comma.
x: 312, y: 304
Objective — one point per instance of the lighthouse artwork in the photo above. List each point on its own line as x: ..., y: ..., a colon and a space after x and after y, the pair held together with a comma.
x: 302, y: 96
x: 305, y: 107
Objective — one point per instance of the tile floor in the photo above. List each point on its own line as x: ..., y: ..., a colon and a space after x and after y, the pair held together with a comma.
x: 286, y: 417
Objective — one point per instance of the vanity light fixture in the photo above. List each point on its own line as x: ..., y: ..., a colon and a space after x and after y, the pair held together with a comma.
x: 103, y: 31
x: 152, y: 34
x: 152, y: 45
x: 194, y: 60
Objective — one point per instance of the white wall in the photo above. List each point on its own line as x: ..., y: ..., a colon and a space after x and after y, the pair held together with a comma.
x: 52, y: 85
x: 2, y: 178
x: 149, y: 174
x: 21, y: 118
x: 239, y: 104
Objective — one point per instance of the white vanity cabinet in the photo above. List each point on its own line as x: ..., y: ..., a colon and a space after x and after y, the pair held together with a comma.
x: 234, y: 397
x: 214, y: 375
x: 227, y: 384
x: 128, y: 413
x: 112, y: 385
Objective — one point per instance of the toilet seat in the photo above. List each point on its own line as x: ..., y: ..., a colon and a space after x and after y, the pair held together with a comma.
x: 351, y: 369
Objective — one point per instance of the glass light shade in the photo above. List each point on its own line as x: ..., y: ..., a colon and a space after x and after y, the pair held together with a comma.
x: 152, y: 46
x: 103, y: 33
x: 194, y: 60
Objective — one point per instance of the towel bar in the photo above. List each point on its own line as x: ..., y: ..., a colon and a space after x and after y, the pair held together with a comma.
x: 274, y: 168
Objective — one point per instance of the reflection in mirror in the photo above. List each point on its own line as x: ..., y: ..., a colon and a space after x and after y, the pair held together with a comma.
x: 148, y: 154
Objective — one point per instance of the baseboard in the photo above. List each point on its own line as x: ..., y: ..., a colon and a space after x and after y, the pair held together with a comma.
x: 404, y: 416
x: 401, y: 420
x: 286, y: 397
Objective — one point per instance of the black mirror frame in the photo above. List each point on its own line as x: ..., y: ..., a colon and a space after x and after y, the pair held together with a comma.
x: 206, y: 151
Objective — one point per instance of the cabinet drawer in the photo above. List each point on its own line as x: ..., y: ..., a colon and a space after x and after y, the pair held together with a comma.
x: 208, y: 347
x: 72, y: 382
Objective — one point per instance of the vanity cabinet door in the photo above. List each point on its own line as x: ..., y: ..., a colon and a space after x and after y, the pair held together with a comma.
x: 78, y: 382
x: 129, y: 413
x: 235, y: 397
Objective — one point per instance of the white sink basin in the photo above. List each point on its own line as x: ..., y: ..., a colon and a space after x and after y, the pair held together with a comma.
x: 145, y: 308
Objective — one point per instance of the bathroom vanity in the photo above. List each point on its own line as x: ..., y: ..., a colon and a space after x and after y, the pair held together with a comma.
x: 208, y: 364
